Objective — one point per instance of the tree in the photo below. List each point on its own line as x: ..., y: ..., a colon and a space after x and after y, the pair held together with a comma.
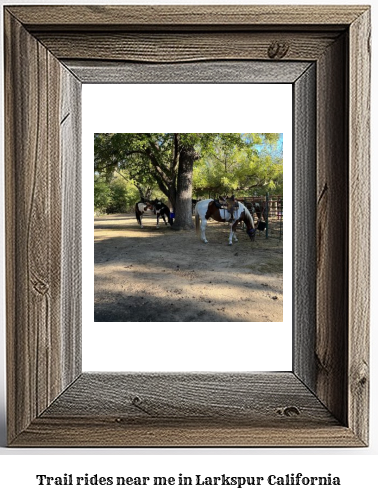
x: 148, y: 159
x: 183, y: 220
x: 168, y: 160
x: 114, y: 196
x: 102, y: 195
x: 124, y: 195
x: 255, y: 167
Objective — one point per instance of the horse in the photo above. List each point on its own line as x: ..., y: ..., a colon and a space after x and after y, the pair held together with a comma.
x: 162, y: 210
x: 140, y: 208
x: 194, y: 203
x: 207, y: 209
x: 260, y: 209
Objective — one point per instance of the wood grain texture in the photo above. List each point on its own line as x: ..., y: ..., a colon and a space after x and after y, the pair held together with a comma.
x: 184, y: 16
x: 33, y: 197
x: 192, y: 409
x: 324, y: 402
x: 243, y: 397
x: 100, y: 432
x: 304, y: 227
x: 71, y: 189
x: 202, y: 72
x: 332, y: 230
x: 34, y: 237
x: 180, y: 47
x: 359, y: 227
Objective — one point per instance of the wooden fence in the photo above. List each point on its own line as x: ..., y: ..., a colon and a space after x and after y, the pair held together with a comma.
x: 267, y: 209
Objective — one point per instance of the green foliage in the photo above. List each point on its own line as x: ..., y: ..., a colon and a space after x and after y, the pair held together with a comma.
x: 225, y: 164
x: 116, y: 196
x: 102, y: 195
x: 124, y: 195
x: 137, y: 154
x: 250, y: 164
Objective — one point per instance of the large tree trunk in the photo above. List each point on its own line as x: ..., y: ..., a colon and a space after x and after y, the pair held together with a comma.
x: 172, y: 191
x: 172, y: 196
x: 183, y: 209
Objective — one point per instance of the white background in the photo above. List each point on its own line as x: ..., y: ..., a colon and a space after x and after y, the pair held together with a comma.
x: 202, y: 346
x: 358, y: 473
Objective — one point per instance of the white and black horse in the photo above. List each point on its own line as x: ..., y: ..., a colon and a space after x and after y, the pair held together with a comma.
x: 141, y: 208
x: 163, y: 211
x: 207, y: 209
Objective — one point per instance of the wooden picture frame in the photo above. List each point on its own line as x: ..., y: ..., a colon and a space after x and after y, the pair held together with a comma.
x: 324, y: 52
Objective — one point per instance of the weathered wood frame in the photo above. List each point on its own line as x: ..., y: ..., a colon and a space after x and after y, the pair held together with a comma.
x: 49, y: 53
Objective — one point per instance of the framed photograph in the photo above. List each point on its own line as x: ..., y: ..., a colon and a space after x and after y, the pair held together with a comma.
x: 323, y: 52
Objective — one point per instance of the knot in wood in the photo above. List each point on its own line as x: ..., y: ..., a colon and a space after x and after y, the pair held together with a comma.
x: 288, y: 411
x: 140, y: 404
x: 41, y: 287
x: 278, y: 50
x: 136, y: 400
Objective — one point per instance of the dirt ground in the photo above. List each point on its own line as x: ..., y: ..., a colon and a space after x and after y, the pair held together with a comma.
x: 156, y: 275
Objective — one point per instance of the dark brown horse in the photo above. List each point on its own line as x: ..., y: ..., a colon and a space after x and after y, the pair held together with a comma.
x: 207, y: 209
